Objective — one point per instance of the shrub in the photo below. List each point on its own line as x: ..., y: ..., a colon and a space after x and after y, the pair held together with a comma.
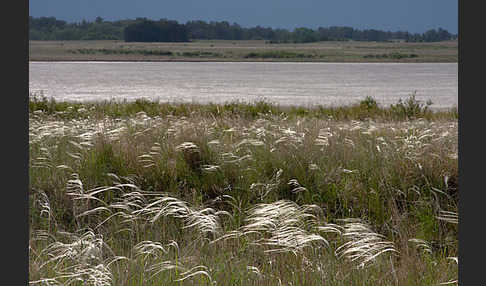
x: 369, y: 103
x: 411, y: 108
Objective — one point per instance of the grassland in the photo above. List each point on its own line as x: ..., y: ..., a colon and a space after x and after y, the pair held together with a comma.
x: 223, y: 50
x: 148, y: 193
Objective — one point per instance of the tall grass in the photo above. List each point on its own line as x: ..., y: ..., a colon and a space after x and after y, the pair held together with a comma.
x: 148, y: 193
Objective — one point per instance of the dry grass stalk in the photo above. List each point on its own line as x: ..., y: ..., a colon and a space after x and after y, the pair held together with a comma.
x: 363, y: 245
x: 80, y: 260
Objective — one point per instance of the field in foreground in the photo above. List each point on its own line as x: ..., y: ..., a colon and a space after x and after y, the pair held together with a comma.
x: 225, y: 50
x: 146, y: 193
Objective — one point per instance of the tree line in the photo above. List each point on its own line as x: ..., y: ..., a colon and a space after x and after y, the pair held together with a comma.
x: 163, y: 30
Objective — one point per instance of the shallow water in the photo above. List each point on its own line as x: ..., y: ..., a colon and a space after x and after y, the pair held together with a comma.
x: 282, y: 83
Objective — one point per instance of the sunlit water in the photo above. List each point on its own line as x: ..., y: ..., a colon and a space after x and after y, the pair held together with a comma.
x: 328, y: 84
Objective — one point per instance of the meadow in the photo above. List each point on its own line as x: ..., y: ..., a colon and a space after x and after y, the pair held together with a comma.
x: 256, y: 50
x: 150, y: 193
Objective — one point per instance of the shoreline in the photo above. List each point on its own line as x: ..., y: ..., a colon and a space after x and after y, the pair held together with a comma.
x: 306, y: 107
x: 368, y: 108
x: 239, y: 61
x: 244, y: 51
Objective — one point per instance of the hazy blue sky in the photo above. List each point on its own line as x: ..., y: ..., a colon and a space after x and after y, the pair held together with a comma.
x: 415, y: 16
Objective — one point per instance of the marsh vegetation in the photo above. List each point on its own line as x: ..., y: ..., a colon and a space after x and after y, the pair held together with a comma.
x: 148, y: 193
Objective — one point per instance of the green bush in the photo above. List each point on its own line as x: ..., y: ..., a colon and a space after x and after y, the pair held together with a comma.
x: 369, y: 103
x: 277, y: 55
x: 411, y: 108
x: 394, y: 55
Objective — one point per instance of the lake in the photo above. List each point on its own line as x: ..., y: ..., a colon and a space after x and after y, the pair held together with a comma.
x: 306, y: 84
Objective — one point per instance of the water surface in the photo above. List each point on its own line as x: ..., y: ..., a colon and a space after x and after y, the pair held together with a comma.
x: 282, y: 83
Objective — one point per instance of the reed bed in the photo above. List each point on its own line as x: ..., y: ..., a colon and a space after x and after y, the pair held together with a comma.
x: 254, y: 195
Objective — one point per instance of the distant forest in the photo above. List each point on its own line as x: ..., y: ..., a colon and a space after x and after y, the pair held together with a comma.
x: 163, y: 30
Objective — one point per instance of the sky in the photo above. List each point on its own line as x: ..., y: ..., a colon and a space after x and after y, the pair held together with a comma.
x: 415, y: 16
